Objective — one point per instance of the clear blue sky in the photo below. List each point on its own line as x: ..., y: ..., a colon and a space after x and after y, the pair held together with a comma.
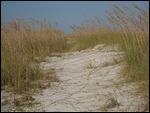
x: 66, y: 13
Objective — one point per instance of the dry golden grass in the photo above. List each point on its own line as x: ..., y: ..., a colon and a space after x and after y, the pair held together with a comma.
x: 21, y: 43
x: 128, y: 29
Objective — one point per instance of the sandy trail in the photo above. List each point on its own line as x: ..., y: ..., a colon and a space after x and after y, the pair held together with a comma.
x: 89, y: 80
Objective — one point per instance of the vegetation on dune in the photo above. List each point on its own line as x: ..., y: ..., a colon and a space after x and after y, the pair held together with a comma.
x: 21, y: 44
x: 129, y: 30
x: 23, y: 41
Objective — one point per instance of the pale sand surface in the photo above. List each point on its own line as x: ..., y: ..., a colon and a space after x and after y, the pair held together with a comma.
x: 89, y: 80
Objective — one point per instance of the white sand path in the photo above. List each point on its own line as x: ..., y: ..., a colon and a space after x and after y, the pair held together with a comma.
x: 89, y: 80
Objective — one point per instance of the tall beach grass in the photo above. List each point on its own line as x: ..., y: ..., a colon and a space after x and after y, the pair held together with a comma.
x: 22, y: 41
x: 129, y: 28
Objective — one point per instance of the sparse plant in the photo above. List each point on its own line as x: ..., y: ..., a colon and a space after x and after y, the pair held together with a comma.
x: 19, y: 109
x: 91, y: 65
x: 27, y: 98
x: 111, y: 102
x: 110, y: 63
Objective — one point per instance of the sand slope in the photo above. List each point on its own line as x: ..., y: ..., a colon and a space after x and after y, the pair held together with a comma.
x: 89, y: 80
